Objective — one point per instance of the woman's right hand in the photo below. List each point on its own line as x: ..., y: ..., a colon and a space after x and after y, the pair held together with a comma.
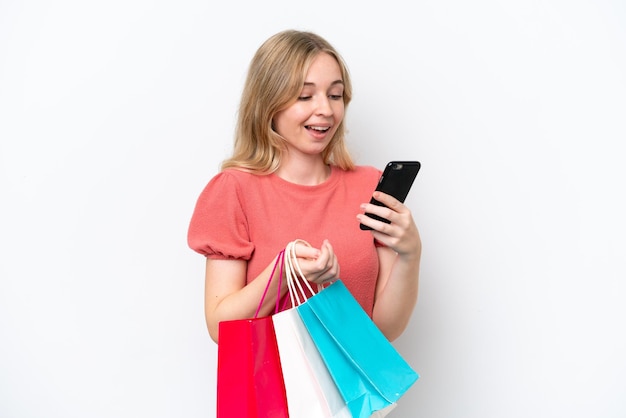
x: 319, y: 266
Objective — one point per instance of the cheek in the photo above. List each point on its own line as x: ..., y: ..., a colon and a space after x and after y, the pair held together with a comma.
x: 281, y: 122
x: 339, y: 112
x: 289, y: 119
x: 276, y: 123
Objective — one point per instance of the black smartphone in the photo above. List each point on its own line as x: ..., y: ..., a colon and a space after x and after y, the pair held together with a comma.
x: 396, y: 180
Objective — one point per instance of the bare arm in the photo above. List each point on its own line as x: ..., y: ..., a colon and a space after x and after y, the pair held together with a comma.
x: 228, y: 297
x: 396, y: 293
x: 398, y: 279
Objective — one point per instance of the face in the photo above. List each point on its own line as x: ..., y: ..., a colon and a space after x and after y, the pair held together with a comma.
x: 309, y: 123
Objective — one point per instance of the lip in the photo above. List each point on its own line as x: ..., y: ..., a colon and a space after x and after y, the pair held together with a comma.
x: 318, y: 131
x: 320, y: 126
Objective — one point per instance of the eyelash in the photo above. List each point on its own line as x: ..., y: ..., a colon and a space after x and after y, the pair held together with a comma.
x: 332, y: 97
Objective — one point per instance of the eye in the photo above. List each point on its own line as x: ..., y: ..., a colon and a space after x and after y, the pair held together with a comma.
x: 304, y: 98
x: 336, y: 96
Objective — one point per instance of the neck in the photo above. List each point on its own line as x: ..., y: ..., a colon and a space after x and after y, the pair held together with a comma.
x: 306, y: 173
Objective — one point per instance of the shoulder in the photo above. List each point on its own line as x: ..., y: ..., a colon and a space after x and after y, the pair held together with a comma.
x: 367, y: 170
x: 236, y: 175
x: 233, y: 179
x: 361, y: 173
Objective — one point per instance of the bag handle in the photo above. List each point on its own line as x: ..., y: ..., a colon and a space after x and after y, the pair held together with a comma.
x: 280, y: 259
x: 295, y: 276
x: 290, y: 267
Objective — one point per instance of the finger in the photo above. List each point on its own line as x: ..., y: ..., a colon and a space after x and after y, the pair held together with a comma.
x: 328, y: 247
x: 332, y: 272
x: 324, y: 256
x: 322, y: 273
x: 388, y: 200
x: 312, y: 270
x: 306, y: 251
x: 380, y: 211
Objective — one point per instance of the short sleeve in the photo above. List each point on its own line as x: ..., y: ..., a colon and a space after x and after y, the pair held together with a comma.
x: 218, y: 228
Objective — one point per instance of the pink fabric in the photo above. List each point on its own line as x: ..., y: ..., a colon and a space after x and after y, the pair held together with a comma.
x: 249, y: 217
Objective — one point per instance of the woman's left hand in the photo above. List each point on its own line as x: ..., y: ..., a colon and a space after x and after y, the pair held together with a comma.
x: 401, y: 234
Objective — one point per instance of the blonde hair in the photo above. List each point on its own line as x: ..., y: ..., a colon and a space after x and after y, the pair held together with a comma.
x: 275, y: 79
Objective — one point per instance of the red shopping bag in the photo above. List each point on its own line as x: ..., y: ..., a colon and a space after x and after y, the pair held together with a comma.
x: 249, y: 376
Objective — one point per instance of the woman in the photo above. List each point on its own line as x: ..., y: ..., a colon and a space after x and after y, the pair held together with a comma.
x: 291, y: 177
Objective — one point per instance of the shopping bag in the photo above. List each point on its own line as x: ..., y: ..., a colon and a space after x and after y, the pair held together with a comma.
x: 249, y: 375
x: 311, y: 391
x: 368, y: 371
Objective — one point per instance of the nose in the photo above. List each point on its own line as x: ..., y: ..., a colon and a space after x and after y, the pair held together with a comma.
x: 323, y: 107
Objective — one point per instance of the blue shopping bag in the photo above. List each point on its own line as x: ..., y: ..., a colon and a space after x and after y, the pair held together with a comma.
x: 368, y: 371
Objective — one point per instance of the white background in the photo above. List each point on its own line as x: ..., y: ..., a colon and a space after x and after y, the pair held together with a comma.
x: 114, y: 115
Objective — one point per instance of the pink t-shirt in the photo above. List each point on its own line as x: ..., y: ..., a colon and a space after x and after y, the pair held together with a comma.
x: 251, y: 217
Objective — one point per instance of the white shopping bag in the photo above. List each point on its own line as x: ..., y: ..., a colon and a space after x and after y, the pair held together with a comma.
x: 311, y: 391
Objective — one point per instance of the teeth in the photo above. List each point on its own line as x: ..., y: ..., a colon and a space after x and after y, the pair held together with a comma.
x: 319, y: 128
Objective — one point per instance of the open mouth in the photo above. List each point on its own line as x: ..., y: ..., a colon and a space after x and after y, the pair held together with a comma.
x: 318, y: 128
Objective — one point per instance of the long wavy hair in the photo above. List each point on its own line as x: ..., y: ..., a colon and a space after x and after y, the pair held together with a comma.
x: 275, y: 79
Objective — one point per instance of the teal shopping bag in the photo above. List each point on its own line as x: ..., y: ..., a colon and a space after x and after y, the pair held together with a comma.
x: 368, y: 371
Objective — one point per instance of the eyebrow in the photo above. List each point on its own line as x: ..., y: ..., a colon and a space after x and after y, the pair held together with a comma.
x: 334, y: 83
